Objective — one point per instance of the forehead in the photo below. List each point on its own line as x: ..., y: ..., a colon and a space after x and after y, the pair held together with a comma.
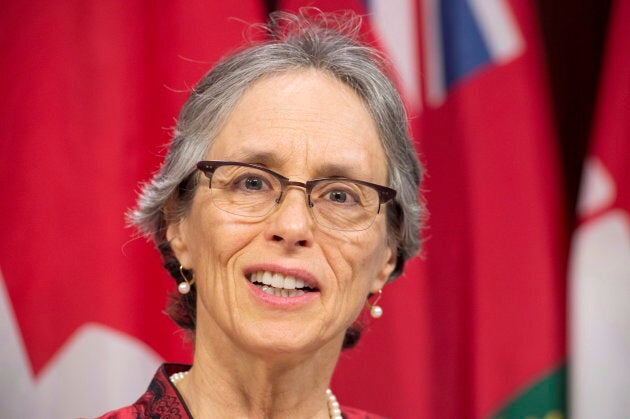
x: 306, y: 124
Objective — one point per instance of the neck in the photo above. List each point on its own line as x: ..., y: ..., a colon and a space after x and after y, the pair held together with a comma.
x: 229, y: 381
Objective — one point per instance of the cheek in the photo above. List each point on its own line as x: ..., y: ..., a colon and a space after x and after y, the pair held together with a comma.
x: 216, y: 237
x: 354, y: 260
x: 220, y: 241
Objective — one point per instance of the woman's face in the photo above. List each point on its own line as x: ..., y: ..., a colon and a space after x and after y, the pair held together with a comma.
x: 304, y: 125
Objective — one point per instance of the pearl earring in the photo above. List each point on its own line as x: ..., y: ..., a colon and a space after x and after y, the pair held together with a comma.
x: 184, y: 287
x: 376, y: 311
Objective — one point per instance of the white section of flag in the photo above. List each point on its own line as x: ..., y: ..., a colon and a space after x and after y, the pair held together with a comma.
x: 600, y: 307
x: 598, y: 190
x: 396, y: 24
x: 498, y: 28
x: 435, y: 85
x: 98, y: 369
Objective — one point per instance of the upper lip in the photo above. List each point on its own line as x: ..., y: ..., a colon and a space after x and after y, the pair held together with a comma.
x: 308, y: 278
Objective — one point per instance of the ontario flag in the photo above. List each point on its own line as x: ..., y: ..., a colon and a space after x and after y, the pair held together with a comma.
x: 494, y: 253
x: 477, y: 328
x: 90, y: 91
x: 600, y: 259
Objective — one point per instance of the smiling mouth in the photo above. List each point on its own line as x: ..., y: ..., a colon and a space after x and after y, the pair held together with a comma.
x: 277, y: 284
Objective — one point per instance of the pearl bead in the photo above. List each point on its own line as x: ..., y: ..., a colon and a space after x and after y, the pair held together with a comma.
x: 175, y: 378
x: 376, y: 312
x: 183, y: 287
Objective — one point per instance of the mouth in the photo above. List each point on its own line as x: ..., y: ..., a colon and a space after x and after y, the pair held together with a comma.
x: 274, y: 283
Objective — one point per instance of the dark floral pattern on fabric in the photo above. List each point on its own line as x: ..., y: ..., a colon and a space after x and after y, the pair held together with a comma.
x: 165, y: 408
x: 160, y: 405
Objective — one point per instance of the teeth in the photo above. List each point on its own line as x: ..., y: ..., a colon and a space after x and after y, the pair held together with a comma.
x: 289, y: 283
x: 266, y: 278
x: 277, y: 281
x: 281, y: 293
x: 277, y: 284
x: 256, y: 277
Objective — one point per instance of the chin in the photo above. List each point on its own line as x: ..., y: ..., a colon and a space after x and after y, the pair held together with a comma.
x: 290, y: 343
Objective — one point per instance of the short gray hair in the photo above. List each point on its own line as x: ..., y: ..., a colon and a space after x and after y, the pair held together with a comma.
x: 309, y: 40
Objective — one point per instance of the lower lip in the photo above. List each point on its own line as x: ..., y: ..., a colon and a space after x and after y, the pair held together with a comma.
x: 282, y: 302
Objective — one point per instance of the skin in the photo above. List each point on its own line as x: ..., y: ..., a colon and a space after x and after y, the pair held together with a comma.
x: 260, y: 359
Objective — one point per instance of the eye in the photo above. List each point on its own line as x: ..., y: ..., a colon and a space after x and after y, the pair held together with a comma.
x: 339, y: 193
x: 338, y: 196
x: 253, y: 183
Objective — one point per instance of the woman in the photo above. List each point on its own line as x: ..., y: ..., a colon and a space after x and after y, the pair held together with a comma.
x: 301, y: 203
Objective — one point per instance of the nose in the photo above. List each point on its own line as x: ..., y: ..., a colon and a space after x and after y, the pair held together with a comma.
x: 291, y: 223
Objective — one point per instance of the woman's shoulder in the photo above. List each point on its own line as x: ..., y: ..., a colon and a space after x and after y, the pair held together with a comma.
x: 354, y: 413
x: 160, y: 400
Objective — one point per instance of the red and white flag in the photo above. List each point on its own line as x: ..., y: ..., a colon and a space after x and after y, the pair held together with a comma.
x: 89, y: 93
x: 600, y: 259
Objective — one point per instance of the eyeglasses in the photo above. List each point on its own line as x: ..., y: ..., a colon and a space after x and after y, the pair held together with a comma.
x: 337, y: 203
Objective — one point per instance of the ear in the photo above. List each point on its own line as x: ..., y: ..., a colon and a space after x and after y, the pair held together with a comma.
x: 176, y: 236
x: 388, y: 266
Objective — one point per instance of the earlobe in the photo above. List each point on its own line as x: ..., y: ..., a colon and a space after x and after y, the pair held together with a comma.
x: 176, y: 238
x: 389, y: 264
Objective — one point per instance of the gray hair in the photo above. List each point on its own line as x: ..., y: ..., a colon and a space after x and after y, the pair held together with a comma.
x: 310, y: 40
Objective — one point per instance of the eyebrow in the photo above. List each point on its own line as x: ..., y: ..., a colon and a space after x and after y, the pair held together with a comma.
x: 263, y: 158
x: 329, y: 169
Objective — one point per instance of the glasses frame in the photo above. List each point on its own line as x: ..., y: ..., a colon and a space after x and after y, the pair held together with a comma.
x: 385, y: 194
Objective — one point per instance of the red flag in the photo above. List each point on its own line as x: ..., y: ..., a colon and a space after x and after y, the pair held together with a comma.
x: 494, y: 252
x: 90, y: 91
x: 600, y: 260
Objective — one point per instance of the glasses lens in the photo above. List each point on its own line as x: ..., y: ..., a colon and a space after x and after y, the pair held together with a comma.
x: 244, y: 190
x: 344, y: 205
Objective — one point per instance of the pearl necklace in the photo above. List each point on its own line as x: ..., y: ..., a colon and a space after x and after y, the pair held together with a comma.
x: 334, y: 410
